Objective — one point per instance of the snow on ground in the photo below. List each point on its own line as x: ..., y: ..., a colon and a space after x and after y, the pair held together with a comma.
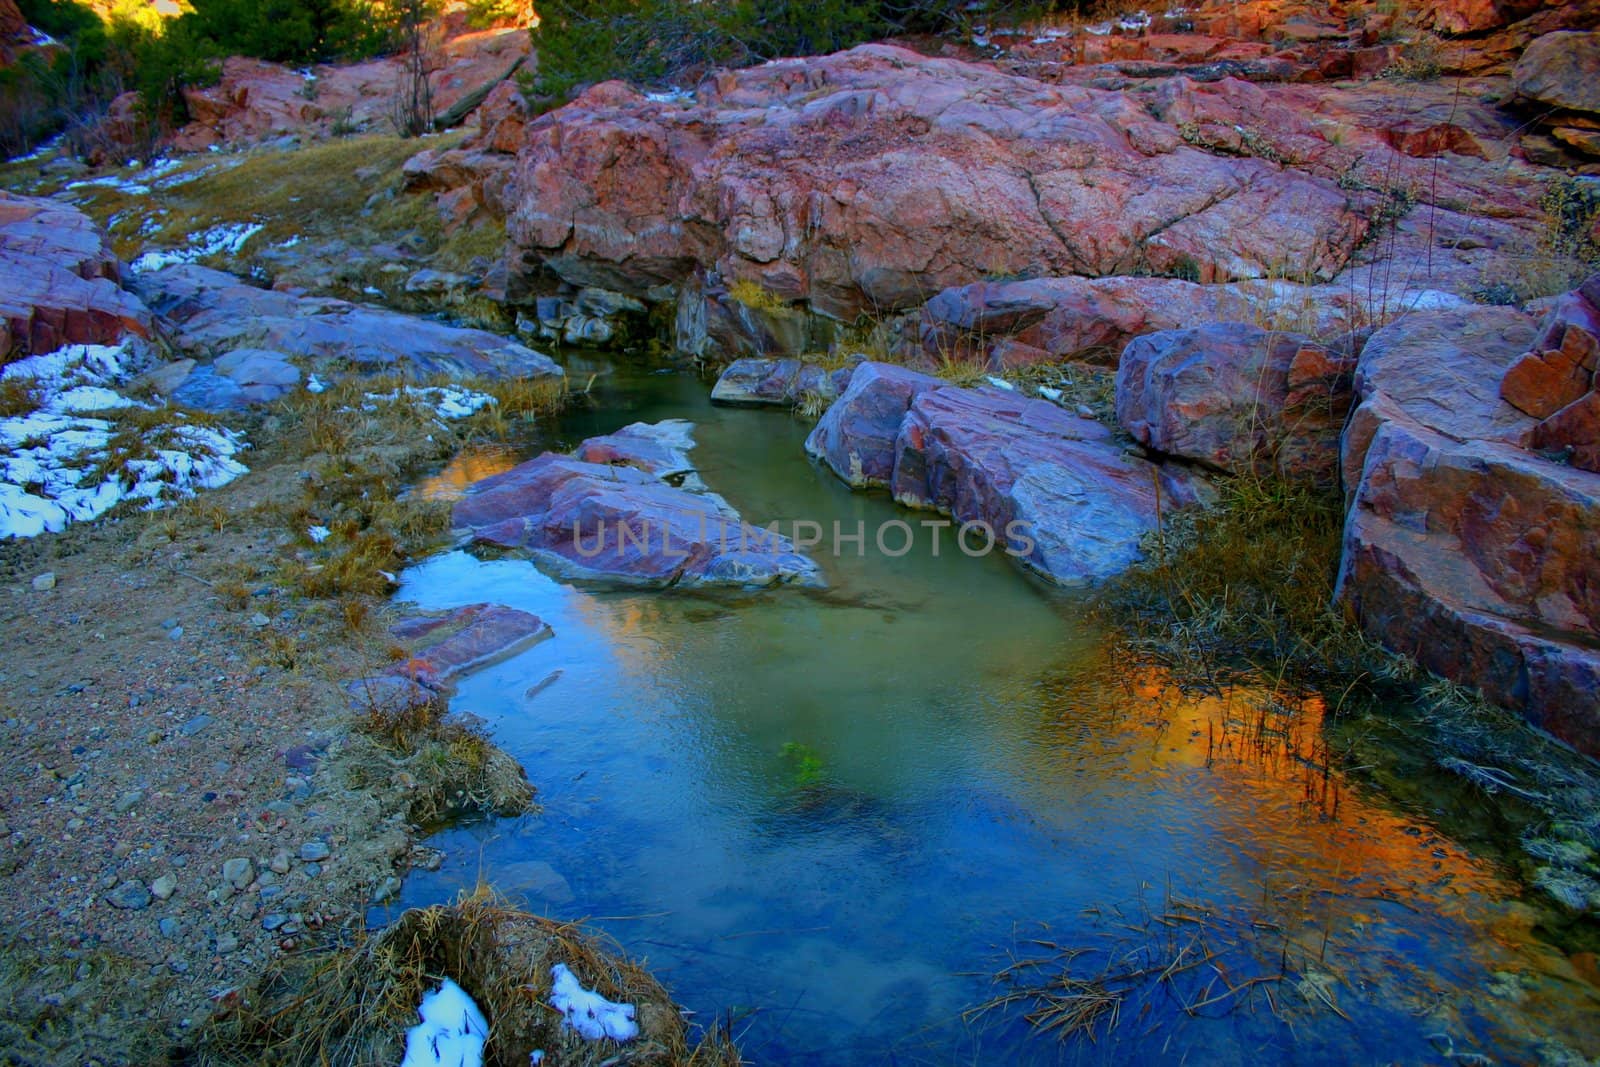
x: 447, y: 401
x: 587, y: 1012
x: 69, y: 460
x: 452, y: 1032
x: 228, y: 238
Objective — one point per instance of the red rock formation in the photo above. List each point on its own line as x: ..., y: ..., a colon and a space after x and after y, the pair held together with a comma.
x: 59, y: 280
x: 1463, y: 549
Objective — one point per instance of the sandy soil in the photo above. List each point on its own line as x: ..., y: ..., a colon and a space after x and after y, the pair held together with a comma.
x: 162, y: 721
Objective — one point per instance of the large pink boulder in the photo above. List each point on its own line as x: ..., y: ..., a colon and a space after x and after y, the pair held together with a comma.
x: 58, y: 280
x: 1050, y: 489
x: 1239, y: 398
x: 1561, y: 70
x: 1462, y: 548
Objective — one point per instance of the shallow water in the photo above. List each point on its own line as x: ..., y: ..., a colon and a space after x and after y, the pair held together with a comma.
x: 837, y: 814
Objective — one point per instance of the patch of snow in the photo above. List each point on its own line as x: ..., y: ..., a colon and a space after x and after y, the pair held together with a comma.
x: 229, y: 238
x: 1136, y: 21
x: 112, y: 181
x: 587, y: 1012
x: 671, y: 96
x: 1000, y: 383
x: 447, y: 401
x: 1053, y: 395
x: 318, y: 534
x: 452, y: 1032
x: 43, y: 150
x: 314, y: 384
x: 372, y: 290
x: 58, y: 466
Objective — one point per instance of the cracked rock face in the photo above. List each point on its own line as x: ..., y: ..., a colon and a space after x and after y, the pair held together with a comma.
x: 1464, y: 548
x: 873, y: 178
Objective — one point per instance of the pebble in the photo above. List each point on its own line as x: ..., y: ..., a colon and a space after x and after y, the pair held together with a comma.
x: 259, y: 620
x: 273, y: 921
x: 239, y: 872
x: 226, y: 943
x: 386, y: 889
x: 169, y: 624
x: 170, y: 927
x: 165, y: 886
x: 129, y: 800
x: 45, y: 582
x: 195, y: 725
x: 129, y: 896
x: 280, y: 861
x: 315, y: 851
x: 175, y: 633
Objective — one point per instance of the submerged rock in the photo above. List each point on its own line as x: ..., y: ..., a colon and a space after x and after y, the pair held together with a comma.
x: 466, y: 639
x: 1239, y: 398
x: 1463, y: 549
x: 208, y: 311
x: 1047, y: 487
x: 620, y: 522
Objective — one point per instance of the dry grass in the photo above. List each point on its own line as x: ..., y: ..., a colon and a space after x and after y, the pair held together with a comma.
x: 442, y: 763
x: 1246, y: 586
x: 1181, y: 959
x: 353, y: 1008
x: 18, y: 396
x: 752, y: 295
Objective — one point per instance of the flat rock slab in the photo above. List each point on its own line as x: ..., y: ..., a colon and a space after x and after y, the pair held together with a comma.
x: 1463, y: 549
x: 464, y: 640
x: 1053, y: 490
x: 621, y: 524
x: 213, y: 312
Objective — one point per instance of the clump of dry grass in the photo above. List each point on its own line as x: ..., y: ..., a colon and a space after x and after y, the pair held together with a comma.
x: 18, y: 396
x: 1246, y: 587
x: 1205, y: 961
x: 354, y: 1008
x: 443, y: 763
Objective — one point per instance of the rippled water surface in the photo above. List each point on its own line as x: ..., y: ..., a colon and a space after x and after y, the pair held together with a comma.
x: 838, y: 814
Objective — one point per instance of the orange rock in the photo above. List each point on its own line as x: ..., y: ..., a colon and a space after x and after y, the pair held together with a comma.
x: 1575, y: 429
x: 1542, y: 383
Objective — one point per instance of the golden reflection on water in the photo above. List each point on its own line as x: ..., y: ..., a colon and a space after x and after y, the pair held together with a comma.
x: 1336, y: 860
x: 468, y: 466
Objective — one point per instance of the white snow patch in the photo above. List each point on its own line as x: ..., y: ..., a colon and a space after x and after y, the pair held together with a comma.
x: 447, y: 401
x: 314, y: 384
x: 452, y: 1031
x: 58, y: 466
x: 318, y: 534
x: 672, y: 96
x: 587, y: 1012
x: 1053, y: 395
x: 1000, y: 383
x: 229, y: 238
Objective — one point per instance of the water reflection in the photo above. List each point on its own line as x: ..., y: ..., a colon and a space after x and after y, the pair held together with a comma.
x: 471, y: 464
x: 847, y: 809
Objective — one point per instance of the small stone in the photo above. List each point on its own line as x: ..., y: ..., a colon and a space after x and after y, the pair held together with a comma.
x: 226, y: 943
x: 45, y: 582
x: 238, y: 872
x: 273, y: 921
x: 175, y: 633
x: 169, y: 927
x: 164, y: 887
x: 129, y: 800
x: 315, y: 851
x: 195, y: 725
x: 386, y: 889
x: 169, y: 624
x: 312, y: 870
x: 280, y: 861
x: 129, y: 896
x: 258, y: 620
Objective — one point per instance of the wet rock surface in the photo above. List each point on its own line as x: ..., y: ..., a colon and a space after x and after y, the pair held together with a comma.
x: 617, y: 522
